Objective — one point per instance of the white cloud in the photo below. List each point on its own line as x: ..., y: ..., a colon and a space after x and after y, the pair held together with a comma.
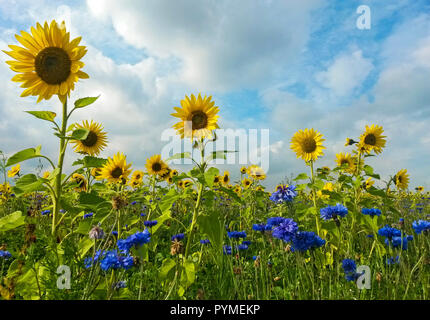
x: 346, y: 73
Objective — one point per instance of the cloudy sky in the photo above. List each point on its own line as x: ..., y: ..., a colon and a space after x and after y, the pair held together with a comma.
x: 282, y: 65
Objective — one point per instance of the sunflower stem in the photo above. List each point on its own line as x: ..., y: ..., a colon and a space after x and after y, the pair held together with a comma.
x: 58, y: 186
x: 314, y: 200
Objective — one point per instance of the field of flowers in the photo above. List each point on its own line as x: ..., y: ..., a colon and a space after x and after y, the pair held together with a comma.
x: 107, y: 230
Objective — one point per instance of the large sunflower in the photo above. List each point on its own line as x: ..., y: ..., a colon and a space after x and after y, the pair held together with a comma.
x: 95, y: 141
x: 307, y: 144
x: 401, y: 179
x: 155, y: 165
x: 346, y: 159
x: 372, y: 139
x: 198, y: 117
x: 49, y: 63
x: 115, y: 169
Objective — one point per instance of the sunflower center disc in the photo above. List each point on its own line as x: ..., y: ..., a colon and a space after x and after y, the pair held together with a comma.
x: 199, y: 120
x: 53, y: 65
x: 116, y: 173
x: 156, y: 167
x: 91, y: 139
x: 309, y: 145
x: 370, y: 139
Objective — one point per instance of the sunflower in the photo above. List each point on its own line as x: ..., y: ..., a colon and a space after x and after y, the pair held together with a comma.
x: 166, y: 175
x: 169, y: 180
x: 345, y: 159
x: 217, y: 179
x: 135, y: 183
x: 95, y: 141
x: 328, y: 186
x: 174, y: 173
x: 155, y: 165
x: 187, y: 183
x: 181, y: 184
x: 243, y: 170
x: 324, y: 170
x: 259, y: 188
x: 137, y: 175
x: 372, y: 139
x: 14, y: 171
x: 115, y: 169
x: 368, y: 183
x: 401, y: 180
x: 198, y: 117
x: 419, y: 189
x: 246, y: 183
x: 256, y: 172
x: 81, y: 181
x: 46, y: 175
x: 307, y: 144
x: 49, y: 63
x: 225, y: 179
x: 237, y: 190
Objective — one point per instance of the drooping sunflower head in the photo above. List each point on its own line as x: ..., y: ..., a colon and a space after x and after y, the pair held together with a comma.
x: 225, y: 178
x: 115, y: 169
x: 48, y: 63
x: 96, y: 140
x: 256, y: 172
x: 259, y: 188
x: 95, y: 172
x: 345, y: 160
x: 80, y: 180
x: 401, y: 179
x: 156, y: 166
x: 307, y: 144
x: 349, y: 142
x: 135, y: 183
x: 198, y: 117
x: 372, y: 139
x: 246, y: 183
x: 14, y: 171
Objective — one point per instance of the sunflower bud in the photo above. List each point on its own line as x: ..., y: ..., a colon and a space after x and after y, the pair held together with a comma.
x: 96, y: 233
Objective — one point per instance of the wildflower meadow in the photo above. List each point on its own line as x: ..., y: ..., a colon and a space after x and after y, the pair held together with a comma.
x: 108, y: 230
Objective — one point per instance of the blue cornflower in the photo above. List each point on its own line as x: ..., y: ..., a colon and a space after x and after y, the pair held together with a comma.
x: 89, y: 262
x: 88, y: 215
x: 205, y: 241
x: 5, y: 254
x: 46, y: 212
x: 236, y: 234
x: 420, y: 226
x: 349, y: 265
x: 332, y: 212
x: 371, y: 212
x: 286, y: 230
x: 246, y: 242
x: 393, y: 260
x: 178, y: 237
x: 242, y: 247
x: 261, y: 227
x: 284, y: 194
x: 115, y: 233
x: 399, y: 241
x: 389, y: 232
x: 305, y: 240
x: 136, y: 239
x: 150, y: 223
x: 142, y: 214
x: 133, y: 203
x: 62, y: 210
x: 274, y: 221
x: 226, y: 249
x: 370, y: 236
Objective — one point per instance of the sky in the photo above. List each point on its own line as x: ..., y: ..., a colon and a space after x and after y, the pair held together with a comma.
x: 277, y: 65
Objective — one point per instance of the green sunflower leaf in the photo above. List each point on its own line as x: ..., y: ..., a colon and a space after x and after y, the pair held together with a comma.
x: 179, y: 156
x: 24, y: 155
x: 12, y: 221
x: 79, y: 134
x: 44, y: 115
x: 83, y: 102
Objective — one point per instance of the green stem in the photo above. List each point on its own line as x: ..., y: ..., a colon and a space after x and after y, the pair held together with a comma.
x: 58, y: 187
x: 314, y: 200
